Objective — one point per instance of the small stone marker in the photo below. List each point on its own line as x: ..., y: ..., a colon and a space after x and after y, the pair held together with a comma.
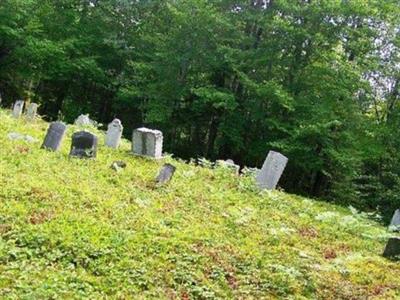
x: 18, y: 108
x: 229, y: 164
x: 54, y: 136
x: 395, y: 223
x: 31, y: 111
x: 83, y: 120
x: 147, y: 142
x: 84, y: 145
x: 166, y: 173
x: 14, y: 136
x: 392, y: 249
x: 118, y: 165
x: 271, y: 170
x: 114, y: 133
x: 1, y: 99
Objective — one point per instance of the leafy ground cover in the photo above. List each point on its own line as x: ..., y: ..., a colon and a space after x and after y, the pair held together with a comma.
x: 73, y: 229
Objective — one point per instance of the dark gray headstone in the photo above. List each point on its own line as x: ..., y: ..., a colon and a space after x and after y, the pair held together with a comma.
x: 395, y: 223
x: 166, y: 173
x: 54, y: 136
x: 392, y: 249
x: 84, y: 145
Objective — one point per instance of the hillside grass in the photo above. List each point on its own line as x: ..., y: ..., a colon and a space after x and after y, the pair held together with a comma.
x: 72, y: 229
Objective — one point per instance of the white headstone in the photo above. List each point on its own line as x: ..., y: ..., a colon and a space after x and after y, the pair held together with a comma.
x: 271, y: 170
x: 83, y: 120
x: 114, y: 133
x: 18, y: 108
x: 31, y: 111
x: 395, y: 223
x: 147, y: 142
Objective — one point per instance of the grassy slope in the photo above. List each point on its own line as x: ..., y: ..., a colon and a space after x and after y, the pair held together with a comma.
x: 75, y: 228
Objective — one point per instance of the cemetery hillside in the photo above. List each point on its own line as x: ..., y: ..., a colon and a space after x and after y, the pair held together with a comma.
x: 75, y: 228
x: 200, y: 149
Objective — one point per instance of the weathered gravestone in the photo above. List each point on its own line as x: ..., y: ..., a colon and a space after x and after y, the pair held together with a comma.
x: 31, y: 111
x: 147, y: 142
x: 114, y: 133
x: 84, y: 145
x: 54, y: 136
x: 392, y: 249
x: 83, y: 120
x: 229, y: 164
x: 18, y: 108
x: 395, y: 222
x: 271, y: 170
x: 166, y: 173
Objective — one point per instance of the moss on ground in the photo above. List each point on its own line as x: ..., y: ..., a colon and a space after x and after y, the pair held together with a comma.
x: 73, y: 229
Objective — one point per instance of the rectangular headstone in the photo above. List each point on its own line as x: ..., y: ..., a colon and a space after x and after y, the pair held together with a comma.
x: 166, y: 173
x: 147, y: 142
x: 31, y: 111
x: 83, y: 145
x: 54, y: 136
x: 18, y: 108
x: 114, y: 133
x: 271, y: 171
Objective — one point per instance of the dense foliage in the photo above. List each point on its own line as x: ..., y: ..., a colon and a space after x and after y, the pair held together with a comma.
x: 77, y: 229
x: 317, y: 80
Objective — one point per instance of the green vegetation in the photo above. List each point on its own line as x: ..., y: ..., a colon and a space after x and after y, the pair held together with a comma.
x: 73, y: 228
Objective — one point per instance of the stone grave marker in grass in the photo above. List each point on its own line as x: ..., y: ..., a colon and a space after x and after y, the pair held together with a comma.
x: 83, y: 120
x: 166, y: 173
x: 147, y: 142
x: 271, y: 170
x: 392, y: 249
x: 83, y: 145
x: 18, y: 108
x: 54, y: 136
x: 114, y: 133
x: 31, y: 111
x: 395, y: 222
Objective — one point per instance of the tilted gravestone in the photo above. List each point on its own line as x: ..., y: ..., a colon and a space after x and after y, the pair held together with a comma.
x: 392, y: 249
x: 271, y: 170
x: 166, y: 173
x: 83, y: 145
x: 54, y: 136
x: 114, y: 133
x: 147, y: 142
x: 395, y: 222
x: 83, y: 120
x: 18, y: 108
x: 31, y: 111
